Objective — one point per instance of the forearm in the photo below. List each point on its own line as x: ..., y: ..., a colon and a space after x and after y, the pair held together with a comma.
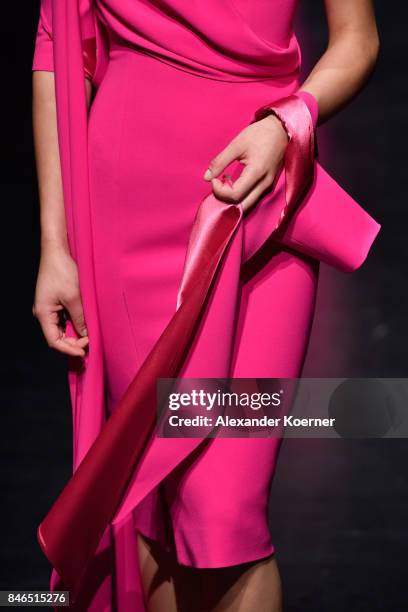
x: 57, y: 287
x: 346, y: 65
x: 52, y: 213
x: 52, y: 216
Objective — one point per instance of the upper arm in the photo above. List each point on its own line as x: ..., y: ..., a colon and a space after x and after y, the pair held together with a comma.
x: 352, y: 16
x: 43, y: 56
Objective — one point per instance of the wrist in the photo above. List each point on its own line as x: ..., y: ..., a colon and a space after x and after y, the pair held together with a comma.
x: 272, y: 121
x: 54, y: 242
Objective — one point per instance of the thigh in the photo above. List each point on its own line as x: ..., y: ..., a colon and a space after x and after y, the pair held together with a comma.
x: 275, y: 316
x: 218, y: 497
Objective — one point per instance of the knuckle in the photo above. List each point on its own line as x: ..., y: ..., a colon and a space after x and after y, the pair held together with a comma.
x: 236, y: 196
x: 69, y: 298
x: 213, y: 165
x: 258, y: 169
x: 269, y: 178
x: 39, y: 312
x: 71, y: 292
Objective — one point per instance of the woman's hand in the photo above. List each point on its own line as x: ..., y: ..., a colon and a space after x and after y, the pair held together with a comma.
x: 260, y: 148
x: 57, y: 290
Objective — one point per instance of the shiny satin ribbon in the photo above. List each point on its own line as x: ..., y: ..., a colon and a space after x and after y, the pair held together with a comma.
x: 297, y: 121
x: 70, y: 532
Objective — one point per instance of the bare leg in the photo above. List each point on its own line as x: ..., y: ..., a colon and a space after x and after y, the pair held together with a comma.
x: 158, y: 568
x: 248, y: 587
x: 169, y: 587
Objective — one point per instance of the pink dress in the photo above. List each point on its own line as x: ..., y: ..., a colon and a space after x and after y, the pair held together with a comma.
x: 182, y: 78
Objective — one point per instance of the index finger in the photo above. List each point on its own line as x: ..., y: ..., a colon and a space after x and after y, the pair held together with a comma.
x: 55, y: 337
x: 241, y: 187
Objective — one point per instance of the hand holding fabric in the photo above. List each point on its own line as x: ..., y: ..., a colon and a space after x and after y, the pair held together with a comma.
x: 56, y: 294
x: 260, y: 147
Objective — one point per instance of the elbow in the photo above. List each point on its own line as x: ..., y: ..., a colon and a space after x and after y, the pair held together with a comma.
x: 368, y: 47
x: 373, y: 50
x: 359, y: 47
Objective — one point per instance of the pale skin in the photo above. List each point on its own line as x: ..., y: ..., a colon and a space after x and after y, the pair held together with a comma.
x: 338, y: 76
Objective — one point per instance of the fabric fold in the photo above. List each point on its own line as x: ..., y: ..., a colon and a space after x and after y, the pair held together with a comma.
x: 70, y: 532
x: 117, y: 461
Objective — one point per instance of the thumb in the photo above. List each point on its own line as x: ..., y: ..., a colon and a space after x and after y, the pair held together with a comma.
x: 76, y: 315
x: 222, y: 160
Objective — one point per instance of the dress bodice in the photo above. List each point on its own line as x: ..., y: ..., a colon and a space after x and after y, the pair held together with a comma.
x: 233, y: 40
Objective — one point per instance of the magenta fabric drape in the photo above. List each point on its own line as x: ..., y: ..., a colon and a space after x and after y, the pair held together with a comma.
x: 107, y: 457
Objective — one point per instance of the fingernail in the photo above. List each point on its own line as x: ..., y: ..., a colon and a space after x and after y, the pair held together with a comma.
x: 207, y: 175
x: 84, y: 332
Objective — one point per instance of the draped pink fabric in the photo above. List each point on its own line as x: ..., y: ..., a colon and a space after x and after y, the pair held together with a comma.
x: 306, y: 211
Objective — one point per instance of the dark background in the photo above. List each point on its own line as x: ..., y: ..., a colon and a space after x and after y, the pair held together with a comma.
x: 338, y: 508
